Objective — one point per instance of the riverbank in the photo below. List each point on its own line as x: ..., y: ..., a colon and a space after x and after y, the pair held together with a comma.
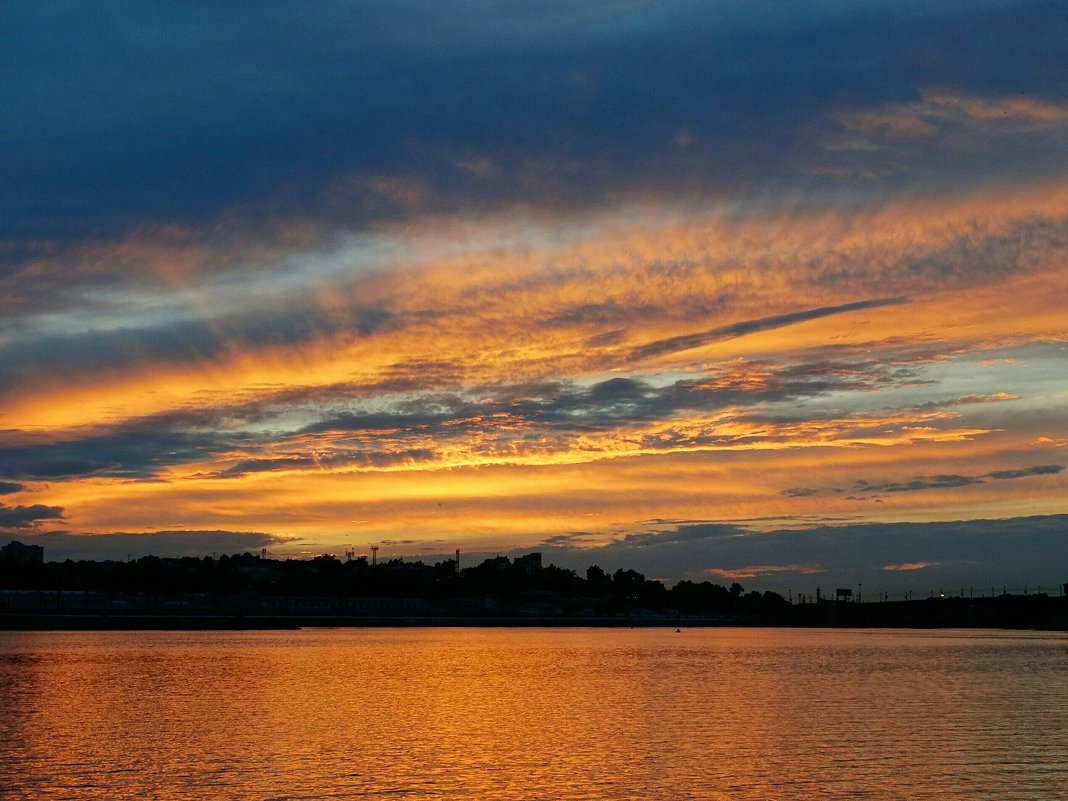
x: 1038, y: 612
x: 212, y: 622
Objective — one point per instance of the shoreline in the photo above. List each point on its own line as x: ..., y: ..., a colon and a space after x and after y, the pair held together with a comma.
x: 1039, y: 615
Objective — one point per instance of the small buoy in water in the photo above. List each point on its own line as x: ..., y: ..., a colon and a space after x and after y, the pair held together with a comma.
x: 678, y: 631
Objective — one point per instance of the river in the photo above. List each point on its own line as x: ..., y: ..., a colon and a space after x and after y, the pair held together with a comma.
x: 510, y: 714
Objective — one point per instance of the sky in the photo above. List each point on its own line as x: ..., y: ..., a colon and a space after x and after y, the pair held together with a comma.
x: 764, y: 292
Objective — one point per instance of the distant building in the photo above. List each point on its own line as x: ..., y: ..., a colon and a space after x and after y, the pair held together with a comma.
x: 530, y: 563
x: 19, y: 552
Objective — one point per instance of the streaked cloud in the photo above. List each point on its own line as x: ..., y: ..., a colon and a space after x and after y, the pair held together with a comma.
x: 1037, y: 470
x: 690, y: 341
x: 938, y: 112
x: 918, y: 483
x: 936, y: 482
x: 760, y: 571
x: 909, y: 566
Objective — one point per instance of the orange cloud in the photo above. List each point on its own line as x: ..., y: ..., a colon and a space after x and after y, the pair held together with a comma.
x: 493, y: 328
x: 910, y: 566
x: 756, y: 571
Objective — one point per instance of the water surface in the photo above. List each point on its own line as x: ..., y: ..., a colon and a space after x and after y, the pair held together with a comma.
x: 534, y: 714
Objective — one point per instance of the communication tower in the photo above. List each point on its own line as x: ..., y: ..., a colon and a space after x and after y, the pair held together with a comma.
x: 374, y: 554
x: 457, y: 560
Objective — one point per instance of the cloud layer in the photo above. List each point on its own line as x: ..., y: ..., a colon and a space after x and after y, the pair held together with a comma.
x: 363, y: 113
x: 487, y: 275
x: 923, y: 558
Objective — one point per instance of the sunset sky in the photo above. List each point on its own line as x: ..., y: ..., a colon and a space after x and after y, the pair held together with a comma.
x: 761, y: 291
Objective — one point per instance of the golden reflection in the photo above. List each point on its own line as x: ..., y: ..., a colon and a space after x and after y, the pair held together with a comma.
x: 571, y: 714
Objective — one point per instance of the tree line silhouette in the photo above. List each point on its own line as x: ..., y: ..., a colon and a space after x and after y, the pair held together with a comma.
x: 495, y: 586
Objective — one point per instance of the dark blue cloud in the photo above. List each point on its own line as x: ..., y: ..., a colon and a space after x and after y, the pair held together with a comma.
x: 119, y: 111
x: 948, y: 481
x: 20, y: 517
x: 1037, y: 470
x: 564, y: 408
x: 9, y: 487
x: 966, y: 553
x: 143, y: 447
x: 179, y: 342
x: 137, y: 450
x: 60, y: 546
x: 866, y: 489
